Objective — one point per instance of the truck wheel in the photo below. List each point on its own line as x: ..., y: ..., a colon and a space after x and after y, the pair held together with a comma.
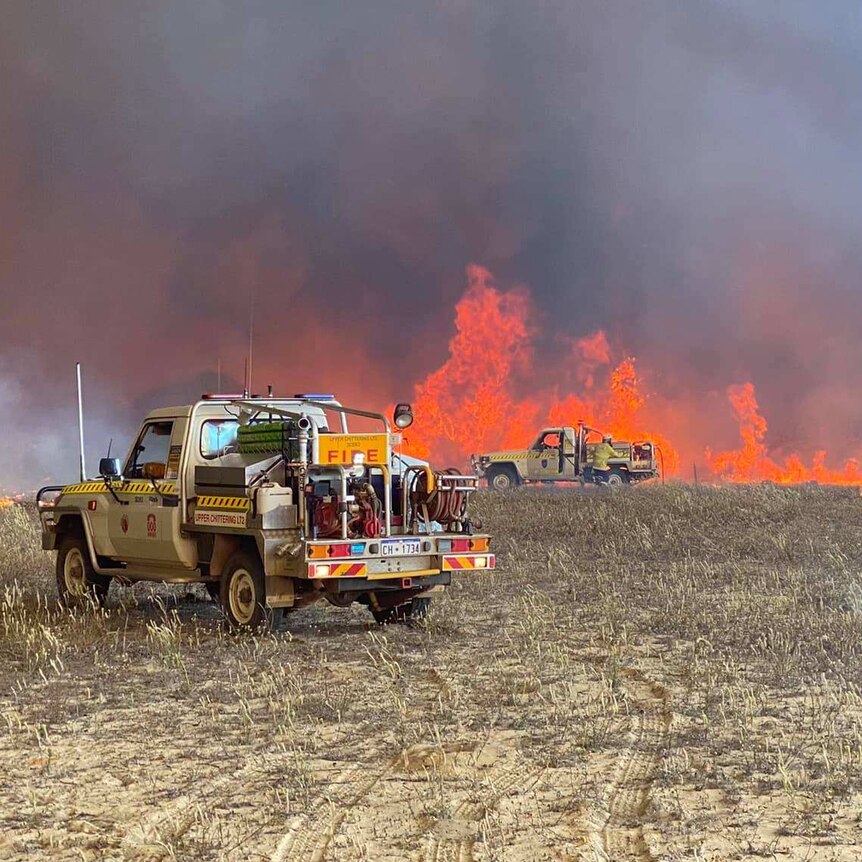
x: 242, y: 592
x: 503, y: 479
x: 416, y: 609
x: 617, y: 479
x: 77, y: 582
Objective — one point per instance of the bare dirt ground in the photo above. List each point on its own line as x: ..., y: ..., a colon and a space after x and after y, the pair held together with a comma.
x: 661, y: 673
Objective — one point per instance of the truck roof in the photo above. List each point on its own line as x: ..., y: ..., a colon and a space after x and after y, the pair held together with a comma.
x: 170, y: 412
x: 216, y: 407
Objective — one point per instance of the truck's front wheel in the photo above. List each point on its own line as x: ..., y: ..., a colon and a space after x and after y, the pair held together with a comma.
x: 77, y: 582
x: 503, y: 479
x: 243, y: 591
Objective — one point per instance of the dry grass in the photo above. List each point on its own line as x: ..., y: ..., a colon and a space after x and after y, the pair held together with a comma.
x: 666, y: 672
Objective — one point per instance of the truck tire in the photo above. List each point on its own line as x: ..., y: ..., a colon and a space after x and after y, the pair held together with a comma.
x: 77, y: 582
x: 617, y: 478
x: 503, y: 479
x: 416, y: 609
x: 242, y: 594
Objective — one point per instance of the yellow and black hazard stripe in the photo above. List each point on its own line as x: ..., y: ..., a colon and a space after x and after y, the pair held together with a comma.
x: 514, y: 456
x: 233, y: 504
x: 136, y: 487
x: 86, y: 488
x: 167, y: 489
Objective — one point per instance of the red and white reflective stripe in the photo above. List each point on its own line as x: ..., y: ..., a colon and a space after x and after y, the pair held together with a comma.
x: 337, y: 570
x: 461, y: 562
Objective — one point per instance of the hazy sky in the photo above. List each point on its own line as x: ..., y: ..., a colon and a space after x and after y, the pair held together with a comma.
x: 685, y: 174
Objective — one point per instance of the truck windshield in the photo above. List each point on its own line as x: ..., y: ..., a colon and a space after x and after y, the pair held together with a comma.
x: 218, y: 437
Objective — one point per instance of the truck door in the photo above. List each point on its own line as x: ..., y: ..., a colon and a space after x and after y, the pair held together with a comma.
x: 145, y: 524
x: 544, y: 462
x: 571, y: 468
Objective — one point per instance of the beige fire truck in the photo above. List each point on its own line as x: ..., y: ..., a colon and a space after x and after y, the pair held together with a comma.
x: 273, y: 504
x: 565, y: 454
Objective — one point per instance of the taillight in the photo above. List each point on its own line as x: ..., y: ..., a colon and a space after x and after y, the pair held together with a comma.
x: 463, y: 546
x: 339, y: 550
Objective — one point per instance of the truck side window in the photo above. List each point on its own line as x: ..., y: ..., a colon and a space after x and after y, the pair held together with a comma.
x: 218, y: 437
x: 549, y: 440
x: 149, y: 458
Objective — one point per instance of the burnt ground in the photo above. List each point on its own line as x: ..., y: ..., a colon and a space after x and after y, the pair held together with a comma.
x: 659, y: 673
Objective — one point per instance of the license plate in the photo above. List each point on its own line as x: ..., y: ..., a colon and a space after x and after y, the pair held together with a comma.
x: 401, y: 547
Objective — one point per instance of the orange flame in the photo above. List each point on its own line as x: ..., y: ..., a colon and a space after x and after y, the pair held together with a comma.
x: 476, y: 401
x: 465, y: 405
x: 491, y: 393
x: 753, y: 463
x: 6, y: 502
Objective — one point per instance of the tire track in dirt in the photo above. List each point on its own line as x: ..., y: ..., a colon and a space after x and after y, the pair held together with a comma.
x: 621, y: 835
x: 470, y: 811
x: 149, y: 837
x: 311, y: 833
x: 306, y: 839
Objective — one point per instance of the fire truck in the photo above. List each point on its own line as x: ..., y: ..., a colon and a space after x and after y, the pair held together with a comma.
x: 272, y: 504
x: 565, y: 454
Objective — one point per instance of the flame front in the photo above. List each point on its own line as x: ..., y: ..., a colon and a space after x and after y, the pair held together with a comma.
x: 752, y: 461
x: 466, y: 406
x: 493, y: 393
x: 475, y: 401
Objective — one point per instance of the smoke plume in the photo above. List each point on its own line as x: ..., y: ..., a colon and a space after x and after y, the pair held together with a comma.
x: 681, y: 177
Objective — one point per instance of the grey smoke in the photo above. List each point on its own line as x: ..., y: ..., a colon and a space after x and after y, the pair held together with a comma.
x: 683, y: 174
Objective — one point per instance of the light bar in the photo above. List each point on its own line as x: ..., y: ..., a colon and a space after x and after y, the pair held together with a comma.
x: 310, y: 396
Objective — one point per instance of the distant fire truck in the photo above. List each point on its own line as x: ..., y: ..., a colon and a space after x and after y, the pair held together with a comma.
x: 565, y: 454
x: 271, y: 503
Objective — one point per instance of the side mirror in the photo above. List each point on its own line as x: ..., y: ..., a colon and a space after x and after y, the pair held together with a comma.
x: 110, y: 468
x: 403, y: 416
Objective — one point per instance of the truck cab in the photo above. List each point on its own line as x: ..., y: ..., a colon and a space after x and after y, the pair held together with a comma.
x: 272, y: 504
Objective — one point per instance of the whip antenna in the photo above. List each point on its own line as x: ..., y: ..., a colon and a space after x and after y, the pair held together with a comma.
x: 83, y: 465
x: 250, y: 345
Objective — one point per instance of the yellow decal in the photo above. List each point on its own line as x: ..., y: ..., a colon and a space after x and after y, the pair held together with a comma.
x: 347, y: 449
x: 174, y: 460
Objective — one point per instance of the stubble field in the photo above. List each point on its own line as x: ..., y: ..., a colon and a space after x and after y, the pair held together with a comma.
x: 662, y: 673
